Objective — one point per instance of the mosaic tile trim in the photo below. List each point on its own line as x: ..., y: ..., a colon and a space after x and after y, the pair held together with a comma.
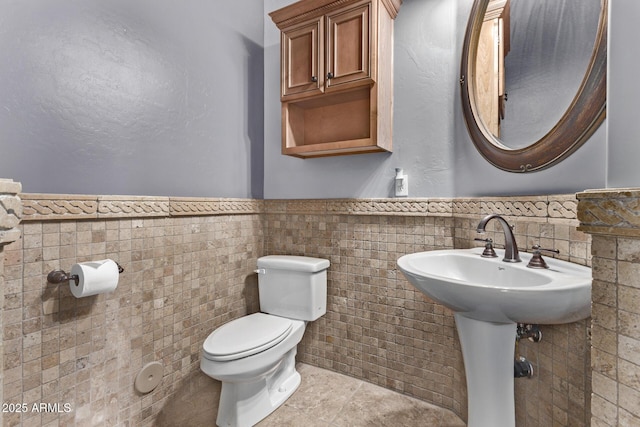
x: 562, y: 207
x: 524, y: 208
x: 39, y: 207
x: 205, y: 206
x: 406, y: 207
x: 296, y: 206
x: 400, y: 207
x: 612, y: 212
x: 61, y: 206
x: 471, y: 207
x: 122, y: 207
x: 10, y: 211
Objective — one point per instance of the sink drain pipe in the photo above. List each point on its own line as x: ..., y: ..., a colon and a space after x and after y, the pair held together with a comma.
x: 522, y: 368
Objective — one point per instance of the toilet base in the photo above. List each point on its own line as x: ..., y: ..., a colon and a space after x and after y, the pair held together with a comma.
x: 244, y: 404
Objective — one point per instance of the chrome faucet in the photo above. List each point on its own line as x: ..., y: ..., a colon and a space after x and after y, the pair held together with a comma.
x: 510, y: 245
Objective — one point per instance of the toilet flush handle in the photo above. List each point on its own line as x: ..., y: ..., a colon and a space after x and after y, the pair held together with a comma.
x: 260, y: 271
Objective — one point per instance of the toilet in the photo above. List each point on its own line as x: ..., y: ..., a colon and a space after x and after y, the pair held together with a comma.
x: 254, y: 356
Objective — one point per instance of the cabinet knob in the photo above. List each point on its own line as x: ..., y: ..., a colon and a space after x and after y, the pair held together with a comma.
x: 329, y: 76
x: 314, y: 79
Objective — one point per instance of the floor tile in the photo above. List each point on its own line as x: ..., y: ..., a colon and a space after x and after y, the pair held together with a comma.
x: 324, y: 399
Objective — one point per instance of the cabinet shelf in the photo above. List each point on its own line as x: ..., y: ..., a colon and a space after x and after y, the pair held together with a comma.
x: 330, y: 125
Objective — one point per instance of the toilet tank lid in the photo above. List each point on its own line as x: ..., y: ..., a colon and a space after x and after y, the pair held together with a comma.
x: 294, y: 263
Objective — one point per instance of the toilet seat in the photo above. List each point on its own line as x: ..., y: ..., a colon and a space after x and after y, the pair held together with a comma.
x: 246, y: 336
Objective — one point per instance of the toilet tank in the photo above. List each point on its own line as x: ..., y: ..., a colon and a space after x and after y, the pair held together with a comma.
x: 293, y: 286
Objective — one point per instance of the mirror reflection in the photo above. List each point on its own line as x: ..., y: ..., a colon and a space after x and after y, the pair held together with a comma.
x: 531, y: 58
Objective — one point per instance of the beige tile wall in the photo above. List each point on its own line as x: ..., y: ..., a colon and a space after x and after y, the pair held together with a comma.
x: 380, y: 329
x: 377, y: 326
x: 2, y: 286
x: 616, y: 331
x: 183, y: 277
x: 612, y: 217
x: 189, y: 268
x: 10, y: 216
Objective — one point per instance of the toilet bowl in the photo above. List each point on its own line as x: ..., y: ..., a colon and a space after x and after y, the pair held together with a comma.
x: 254, y: 356
x: 256, y: 378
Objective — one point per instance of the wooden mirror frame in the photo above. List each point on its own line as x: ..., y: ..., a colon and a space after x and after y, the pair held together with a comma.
x: 585, y: 113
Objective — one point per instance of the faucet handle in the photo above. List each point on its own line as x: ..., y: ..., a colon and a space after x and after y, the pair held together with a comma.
x: 537, y: 248
x: 536, y: 260
x: 488, y: 248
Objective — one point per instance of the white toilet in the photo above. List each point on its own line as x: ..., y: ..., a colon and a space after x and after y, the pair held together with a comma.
x: 254, y: 356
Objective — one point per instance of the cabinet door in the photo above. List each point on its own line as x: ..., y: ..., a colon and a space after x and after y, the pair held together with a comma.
x: 348, y: 45
x: 302, y: 68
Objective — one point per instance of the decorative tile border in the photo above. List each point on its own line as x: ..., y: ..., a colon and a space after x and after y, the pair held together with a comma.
x: 10, y: 211
x: 126, y: 206
x: 528, y: 208
x: 563, y: 207
x: 613, y: 212
x: 467, y: 207
x: 61, y: 207
x: 183, y: 206
x: 399, y: 207
x: 39, y: 207
x: 555, y: 208
x: 560, y: 208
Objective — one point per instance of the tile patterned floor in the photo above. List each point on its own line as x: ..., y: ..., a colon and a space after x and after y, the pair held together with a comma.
x: 328, y: 399
x: 324, y: 399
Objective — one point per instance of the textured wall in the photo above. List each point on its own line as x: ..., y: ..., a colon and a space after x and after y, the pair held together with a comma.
x: 183, y: 277
x: 586, y: 168
x: 612, y: 218
x: 188, y: 268
x: 10, y: 216
x: 623, y: 95
x: 380, y: 329
x: 430, y: 138
x: 425, y: 69
x: 120, y: 97
x: 178, y: 98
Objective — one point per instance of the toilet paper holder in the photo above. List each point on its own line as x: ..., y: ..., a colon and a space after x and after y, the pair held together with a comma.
x: 60, y: 276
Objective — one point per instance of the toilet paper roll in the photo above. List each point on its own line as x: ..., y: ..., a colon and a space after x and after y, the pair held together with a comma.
x: 94, y: 277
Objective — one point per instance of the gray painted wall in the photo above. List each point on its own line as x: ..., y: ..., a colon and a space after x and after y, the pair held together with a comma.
x: 148, y: 97
x: 623, y: 133
x: 425, y: 79
x: 430, y: 139
x: 158, y: 97
x: 584, y: 169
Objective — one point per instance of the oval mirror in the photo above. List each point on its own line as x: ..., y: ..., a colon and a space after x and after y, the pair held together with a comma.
x: 533, y: 90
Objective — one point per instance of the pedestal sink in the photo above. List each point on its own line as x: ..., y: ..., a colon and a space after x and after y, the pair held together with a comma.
x: 489, y: 297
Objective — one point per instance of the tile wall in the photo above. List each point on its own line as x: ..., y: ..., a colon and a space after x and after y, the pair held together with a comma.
x: 188, y: 268
x: 380, y: 329
x: 377, y: 327
x: 612, y: 217
x: 10, y: 216
x: 184, y: 276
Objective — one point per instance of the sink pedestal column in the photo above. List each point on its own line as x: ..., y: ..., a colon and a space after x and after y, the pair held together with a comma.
x: 488, y: 351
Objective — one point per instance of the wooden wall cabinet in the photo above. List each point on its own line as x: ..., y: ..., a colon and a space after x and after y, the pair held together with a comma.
x: 336, y: 76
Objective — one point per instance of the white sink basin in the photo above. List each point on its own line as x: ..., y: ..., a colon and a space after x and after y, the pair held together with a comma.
x: 492, y: 290
x: 489, y: 297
